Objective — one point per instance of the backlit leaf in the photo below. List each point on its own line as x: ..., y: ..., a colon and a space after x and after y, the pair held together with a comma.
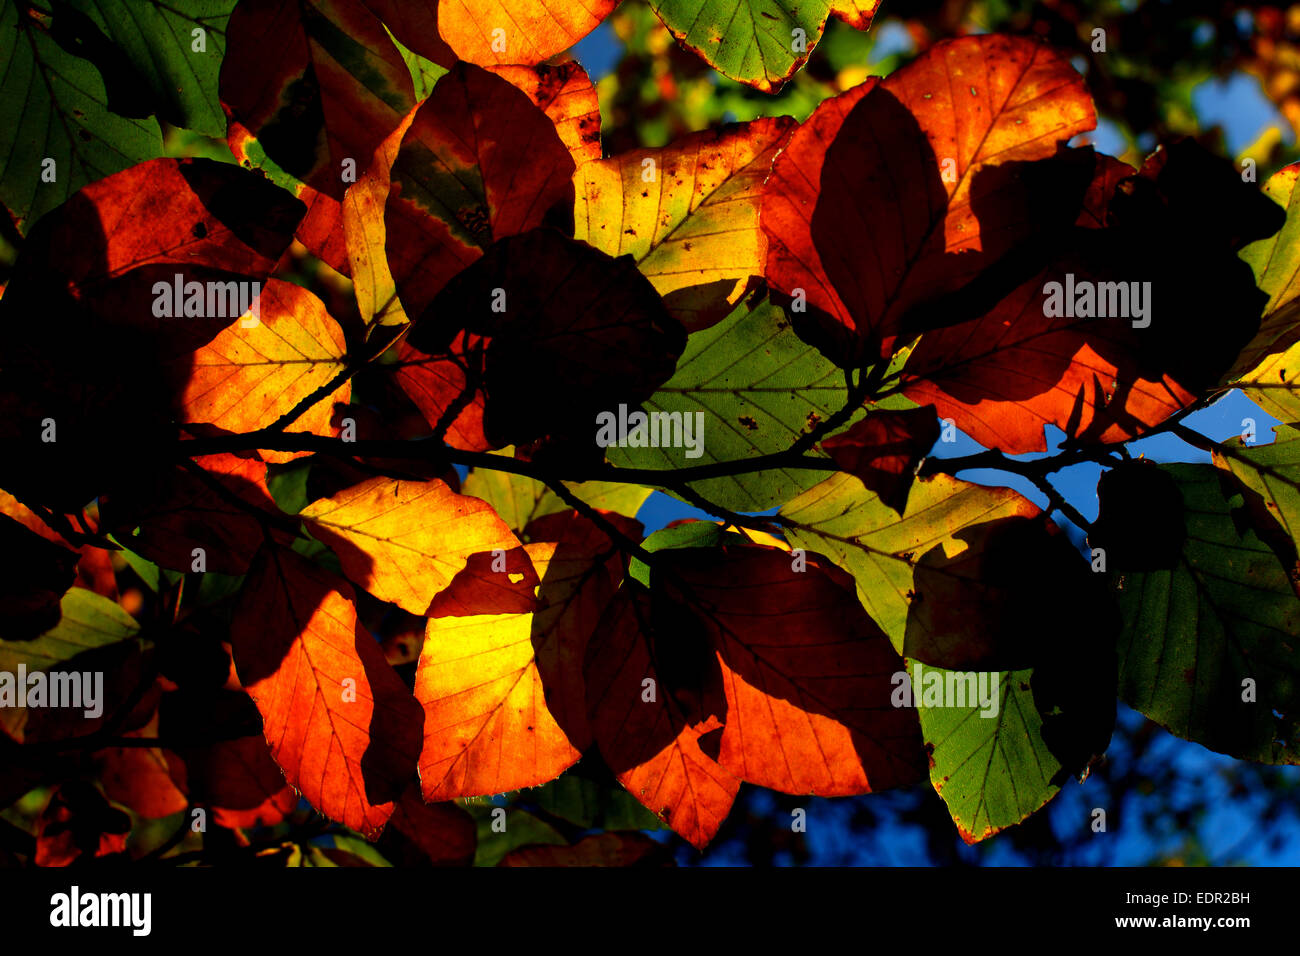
x: 247, y: 378
x: 894, y: 225
x: 334, y: 88
x: 525, y: 32
x: 405, y: 541
x: 946, y: 522
x: 693, y: 226
x: 502, y: 694
x: 336, y: 716
x: 479, y: 162
x: 1223, y: 612
x: 63, y: 113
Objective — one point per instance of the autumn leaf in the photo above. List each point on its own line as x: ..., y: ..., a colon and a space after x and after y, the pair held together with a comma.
x: 99, y: 261
x: 653, y: 741
x: 237, y: 778
x: 78, y: 826
x: 806, y: 674
x: 569, y: 333
x: 428, y: 834
x: 94, y: 569
x: 565, y: 93
x: 884, y: 450
x: 210, y: 508
x: 335, y: 715
x: 405, y: 542
x: 446, y: 389
x: 334, y: 89
x: 687, y: 213
x: 844, y: 206
x: 248, y: 378
x: 479, y: 162
x: 319, y: 230
x: 1111, y: 371
x: 365, y: 235
x: 149, y: 780
x: 502, y: 693
x: 856, y: 13
x: 488, y: 32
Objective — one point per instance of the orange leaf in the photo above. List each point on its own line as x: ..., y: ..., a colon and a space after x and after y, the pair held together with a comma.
x: 336, y: 716
x: 580, y: 333
x: 438, y: 834
x: 166, y: 518
x: 489, y: 32
x: 144, y: 779
x: 856, y: 13
x: 405, y: 541
x: 96, y: 262
x: 502, y: 693
x: 436, y: 385
x: 247, y: 378
x: 807, y: 674
x: 884, y: 449
x: 566, y: 95
x: 240, y: 781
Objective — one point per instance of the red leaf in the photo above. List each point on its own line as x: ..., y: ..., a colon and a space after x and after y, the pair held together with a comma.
x: 807, y: 674
x: 884, y: 449
x: 894, y: 170
x: 651, y: 738
x: 478, y: 163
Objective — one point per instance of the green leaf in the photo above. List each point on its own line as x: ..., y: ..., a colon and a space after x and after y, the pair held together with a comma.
x: 55, y: 106
x: 520, y: 500
x: 288, y: 485
x: 1209, y: 647
x: 758, y: 387
x: 158, y: 39
x: 520, y: 829
x: 1272, y: 473
x: 89, y: 621
x: 1276, y: 264
x: 857, y: 531
x: 346, y: 846
x: 991, y: 771
x: 688, y: 534
x: 424, y: 72
x: 752, y: 41
x: 588, y: 804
